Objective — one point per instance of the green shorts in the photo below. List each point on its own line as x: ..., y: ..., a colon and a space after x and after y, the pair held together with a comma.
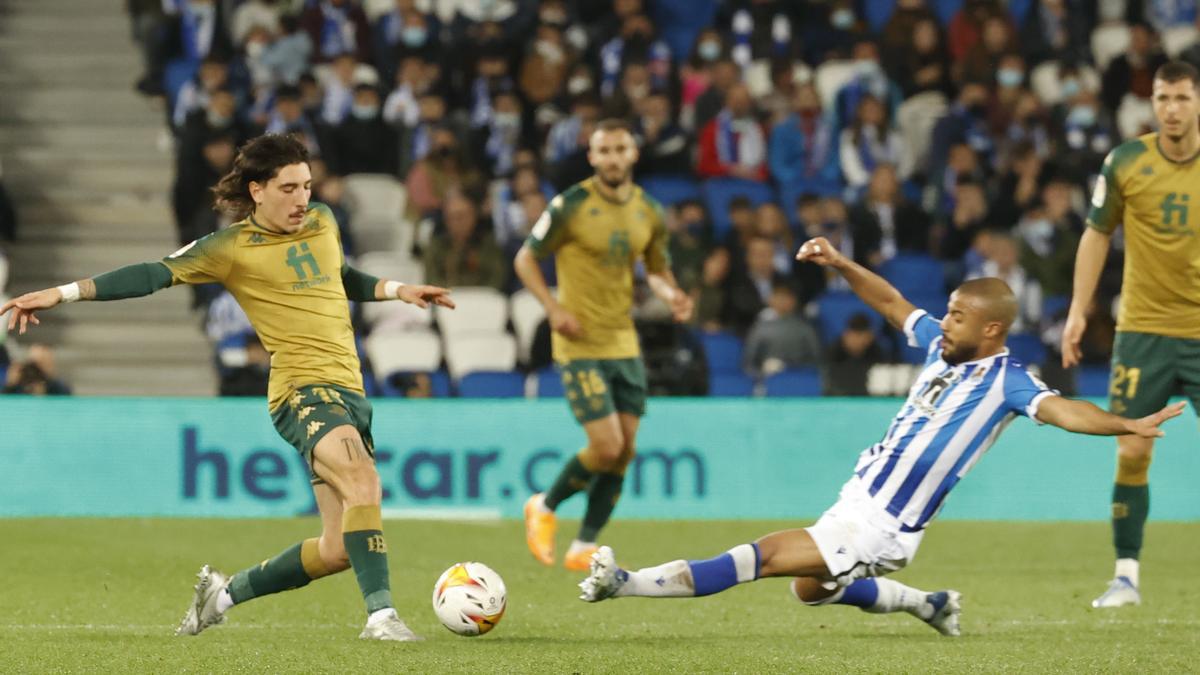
x: 1148, y: 369
x: 316, y: 409
x: 596, y: 388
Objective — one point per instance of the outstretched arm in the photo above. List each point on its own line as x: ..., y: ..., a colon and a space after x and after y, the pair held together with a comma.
x: 131, y: 281
x: 872, y: 288
x: 1085, y: 418
x: 363, y: 287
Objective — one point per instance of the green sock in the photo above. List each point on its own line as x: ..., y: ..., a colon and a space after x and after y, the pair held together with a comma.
x: 1131, y: 506
x: 602, y: 499
x: 573, y: 478
x: 293, y: 568
x: 362, y: 532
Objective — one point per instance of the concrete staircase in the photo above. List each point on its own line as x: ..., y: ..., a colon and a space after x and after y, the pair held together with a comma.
x: 81, y: 158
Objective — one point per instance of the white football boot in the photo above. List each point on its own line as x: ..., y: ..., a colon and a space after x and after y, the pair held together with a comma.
x: 388, y: 626
x: 604, y: 579
x: 947, y: 606
x: 1121, y: 592
x: 203, y: 611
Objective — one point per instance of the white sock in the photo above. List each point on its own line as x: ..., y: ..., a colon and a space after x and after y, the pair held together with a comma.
x: 380, y: 615
x: 1128, y: 568
x: 224, y: 600
x: 541, y: 505
x: 669, y: 580
x: 896, y: 597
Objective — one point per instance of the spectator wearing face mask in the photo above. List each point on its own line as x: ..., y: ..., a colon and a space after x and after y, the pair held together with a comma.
x: 364, y: 143
x: 733, y: 144
x: 997, y: 39
x: 695, y: 74
x: 499, y: 139
x: 1048, y: 236
x: 964, y: 123
x: 803, y: 151
x: 212, y: 75
x: 546, y: 65
x: 869, y: 80
x: 828, y: 39
x: 1084, y: 136
x: 288, y: 117
x: 689, y: 244
x: 402, y: 31
x: 663, y: 145
x: 635, y: 43
x: 723, y: 76
x: 445, y: 169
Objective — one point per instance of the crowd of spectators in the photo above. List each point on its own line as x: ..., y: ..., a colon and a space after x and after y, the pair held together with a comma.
x: 964, y: 135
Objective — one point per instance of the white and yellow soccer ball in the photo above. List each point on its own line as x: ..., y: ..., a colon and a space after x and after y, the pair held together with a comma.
x: 469, y: 598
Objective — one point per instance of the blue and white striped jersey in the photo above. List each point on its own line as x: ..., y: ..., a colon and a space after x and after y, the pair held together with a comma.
x: 952, y: 416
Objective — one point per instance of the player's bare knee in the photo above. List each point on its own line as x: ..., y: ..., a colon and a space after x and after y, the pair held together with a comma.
x: 628, y: 453
x: 812, y: 591
x: 606, y: 452
x: 359, y: 486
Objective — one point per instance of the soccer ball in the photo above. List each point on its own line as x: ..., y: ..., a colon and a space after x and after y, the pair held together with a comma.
x: 469, y: 598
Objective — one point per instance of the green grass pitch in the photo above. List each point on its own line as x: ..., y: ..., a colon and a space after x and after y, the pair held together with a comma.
x: 83, y: 595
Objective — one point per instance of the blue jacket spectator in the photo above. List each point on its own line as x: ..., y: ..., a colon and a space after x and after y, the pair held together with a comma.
x: 803, y: 151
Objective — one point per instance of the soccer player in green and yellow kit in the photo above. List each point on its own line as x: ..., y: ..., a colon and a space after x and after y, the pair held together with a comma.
x: 597, y: 230
x: 1146, y: 185
x: 283, y: 263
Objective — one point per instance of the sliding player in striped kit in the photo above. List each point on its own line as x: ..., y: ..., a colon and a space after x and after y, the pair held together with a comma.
x: 968, y: 391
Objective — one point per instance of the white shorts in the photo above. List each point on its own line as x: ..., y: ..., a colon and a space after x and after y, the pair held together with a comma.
x: 859, y: 539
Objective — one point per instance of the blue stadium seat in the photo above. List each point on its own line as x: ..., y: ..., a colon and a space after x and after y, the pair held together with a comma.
x: 730, y: 384
x: 492, y: 384
x: 1053, y: 304
x: 718, y: 192
x: 1028, y: 348
x: 549, y: 383
x: 670, y: 190
x: 439, y: 382
x: 1092, y: 381
x: 794, y: 382
x: 915, y: 273
x: 835, y: 308
x: 722, y: 352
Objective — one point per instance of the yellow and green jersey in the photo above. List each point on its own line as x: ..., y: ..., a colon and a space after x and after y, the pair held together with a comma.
x: 1151, y: 196
x: 595, y: 243
x: 290, y: 286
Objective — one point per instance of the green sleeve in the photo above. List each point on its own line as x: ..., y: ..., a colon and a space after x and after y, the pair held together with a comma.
x: 550, y: 231
x: 658, y: 255
x: 360, y: 286
x: 132, y: 281
x: 1108, y: 204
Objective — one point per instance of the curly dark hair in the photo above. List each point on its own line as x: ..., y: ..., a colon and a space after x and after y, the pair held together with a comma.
x: 257, y: 162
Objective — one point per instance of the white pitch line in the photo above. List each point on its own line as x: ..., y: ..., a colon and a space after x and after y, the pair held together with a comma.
x: 166, y: 628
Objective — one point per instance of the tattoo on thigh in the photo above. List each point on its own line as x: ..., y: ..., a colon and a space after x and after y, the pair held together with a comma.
x: 354, y: 449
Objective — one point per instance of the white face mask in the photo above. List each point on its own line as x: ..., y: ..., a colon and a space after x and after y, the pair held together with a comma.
x: 638, y: 91
x: 254, y: 50
x: 506, y: 119
x: 578, y: 85
x: 549, y: 51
